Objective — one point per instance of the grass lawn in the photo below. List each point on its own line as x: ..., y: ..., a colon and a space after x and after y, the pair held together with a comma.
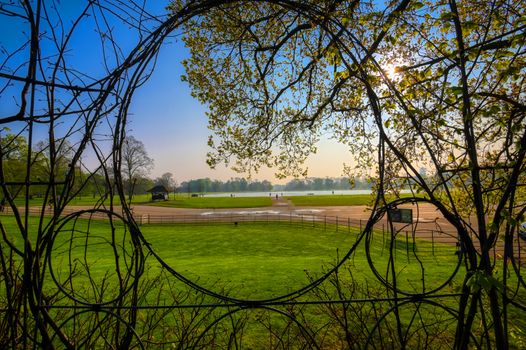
x: 253, y: 260
x: 85, y: 200
x: 329, y: 200
x: 248, y: 260
x: 335, y: 200
x: 184, y: 201
x: 180, y: 201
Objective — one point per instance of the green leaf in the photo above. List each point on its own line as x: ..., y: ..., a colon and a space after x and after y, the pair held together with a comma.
x: 468, y: 27
x: 417, y: 5
x: 480, y: 280
x: 456, y: 90
x: 446, y: 16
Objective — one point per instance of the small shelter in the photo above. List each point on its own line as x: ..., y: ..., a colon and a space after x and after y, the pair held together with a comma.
x: 159, y: 192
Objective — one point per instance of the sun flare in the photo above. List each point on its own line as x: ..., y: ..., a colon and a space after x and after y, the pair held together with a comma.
x: 390, y: 70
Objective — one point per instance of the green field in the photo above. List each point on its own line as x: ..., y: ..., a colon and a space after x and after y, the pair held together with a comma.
x: 249, y: 261
x: 336, y: 199
x: 329, y: 200
x: 184, y: 201
x: 256, y: 260
x: 178, y: 201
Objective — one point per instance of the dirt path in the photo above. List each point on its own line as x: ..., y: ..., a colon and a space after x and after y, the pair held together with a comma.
x: 428, y: 217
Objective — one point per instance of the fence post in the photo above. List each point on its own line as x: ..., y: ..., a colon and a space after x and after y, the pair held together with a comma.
x: 433, y: 241
x: 383, y: 238
x: 336, y: 224
x: 407, y: 245
x: 519, y: 246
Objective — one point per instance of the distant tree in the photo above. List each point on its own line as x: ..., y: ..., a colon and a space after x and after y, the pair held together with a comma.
x: 13, y: 152
x: 142, y: 184
x: 329, y: 184
x: 135, y: 164
x: 53, y: 159
x: 54, y: 162
x: 317, y: 184
x: 232, y: 185
x: 167, y: 180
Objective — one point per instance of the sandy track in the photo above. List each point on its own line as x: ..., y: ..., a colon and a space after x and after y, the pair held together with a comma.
x: 427, y: 215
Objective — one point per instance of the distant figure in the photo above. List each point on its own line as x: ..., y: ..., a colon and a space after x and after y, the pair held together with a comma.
x: 276, y: 196
x: 333, y: 192
x: 270, y: 194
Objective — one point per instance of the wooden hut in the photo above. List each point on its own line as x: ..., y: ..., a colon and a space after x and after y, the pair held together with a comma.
x: 159, y: 192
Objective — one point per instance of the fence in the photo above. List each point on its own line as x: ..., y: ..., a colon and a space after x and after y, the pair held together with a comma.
x: 338, y: 224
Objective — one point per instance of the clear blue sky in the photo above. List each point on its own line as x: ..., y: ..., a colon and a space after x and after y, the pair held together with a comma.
x: 164, y: 116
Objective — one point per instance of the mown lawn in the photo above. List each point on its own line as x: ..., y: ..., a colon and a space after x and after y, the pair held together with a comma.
x: 329, y: 200
x: 247, y: 260
x: 186, y: 201
x: 179, y: 201
x: 335, y: 200
x: 214, y: 202
x: 256, y: 260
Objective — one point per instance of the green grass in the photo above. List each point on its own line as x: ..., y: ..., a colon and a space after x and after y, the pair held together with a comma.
x: 179, y: 201
x: 248, y: 260
x: 336, y: 200
x: 329, y: 200
x: 261, y: 260
x: 184, y: 200
x: 214, y: 202
x: 254, y: 260
x: 87, y: 200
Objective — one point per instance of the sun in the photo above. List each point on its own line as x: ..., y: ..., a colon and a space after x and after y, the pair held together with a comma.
x: 390, y: 71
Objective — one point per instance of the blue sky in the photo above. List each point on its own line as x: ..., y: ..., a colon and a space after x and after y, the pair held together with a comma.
x: 163, y: 115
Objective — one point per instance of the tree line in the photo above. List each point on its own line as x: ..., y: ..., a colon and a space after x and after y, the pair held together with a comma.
x: 244, y: 185
x: 135, y: 168
x: 45, y: 163
x: 326, y: 184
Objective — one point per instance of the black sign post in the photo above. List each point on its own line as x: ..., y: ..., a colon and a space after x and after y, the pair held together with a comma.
x: 401, y: 215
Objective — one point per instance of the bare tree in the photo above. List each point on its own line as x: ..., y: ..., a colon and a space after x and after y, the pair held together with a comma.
x: 135, y: 162
x: 167, y: 180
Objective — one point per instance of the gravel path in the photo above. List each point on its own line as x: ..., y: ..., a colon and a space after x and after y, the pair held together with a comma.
x: 428, y: 217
